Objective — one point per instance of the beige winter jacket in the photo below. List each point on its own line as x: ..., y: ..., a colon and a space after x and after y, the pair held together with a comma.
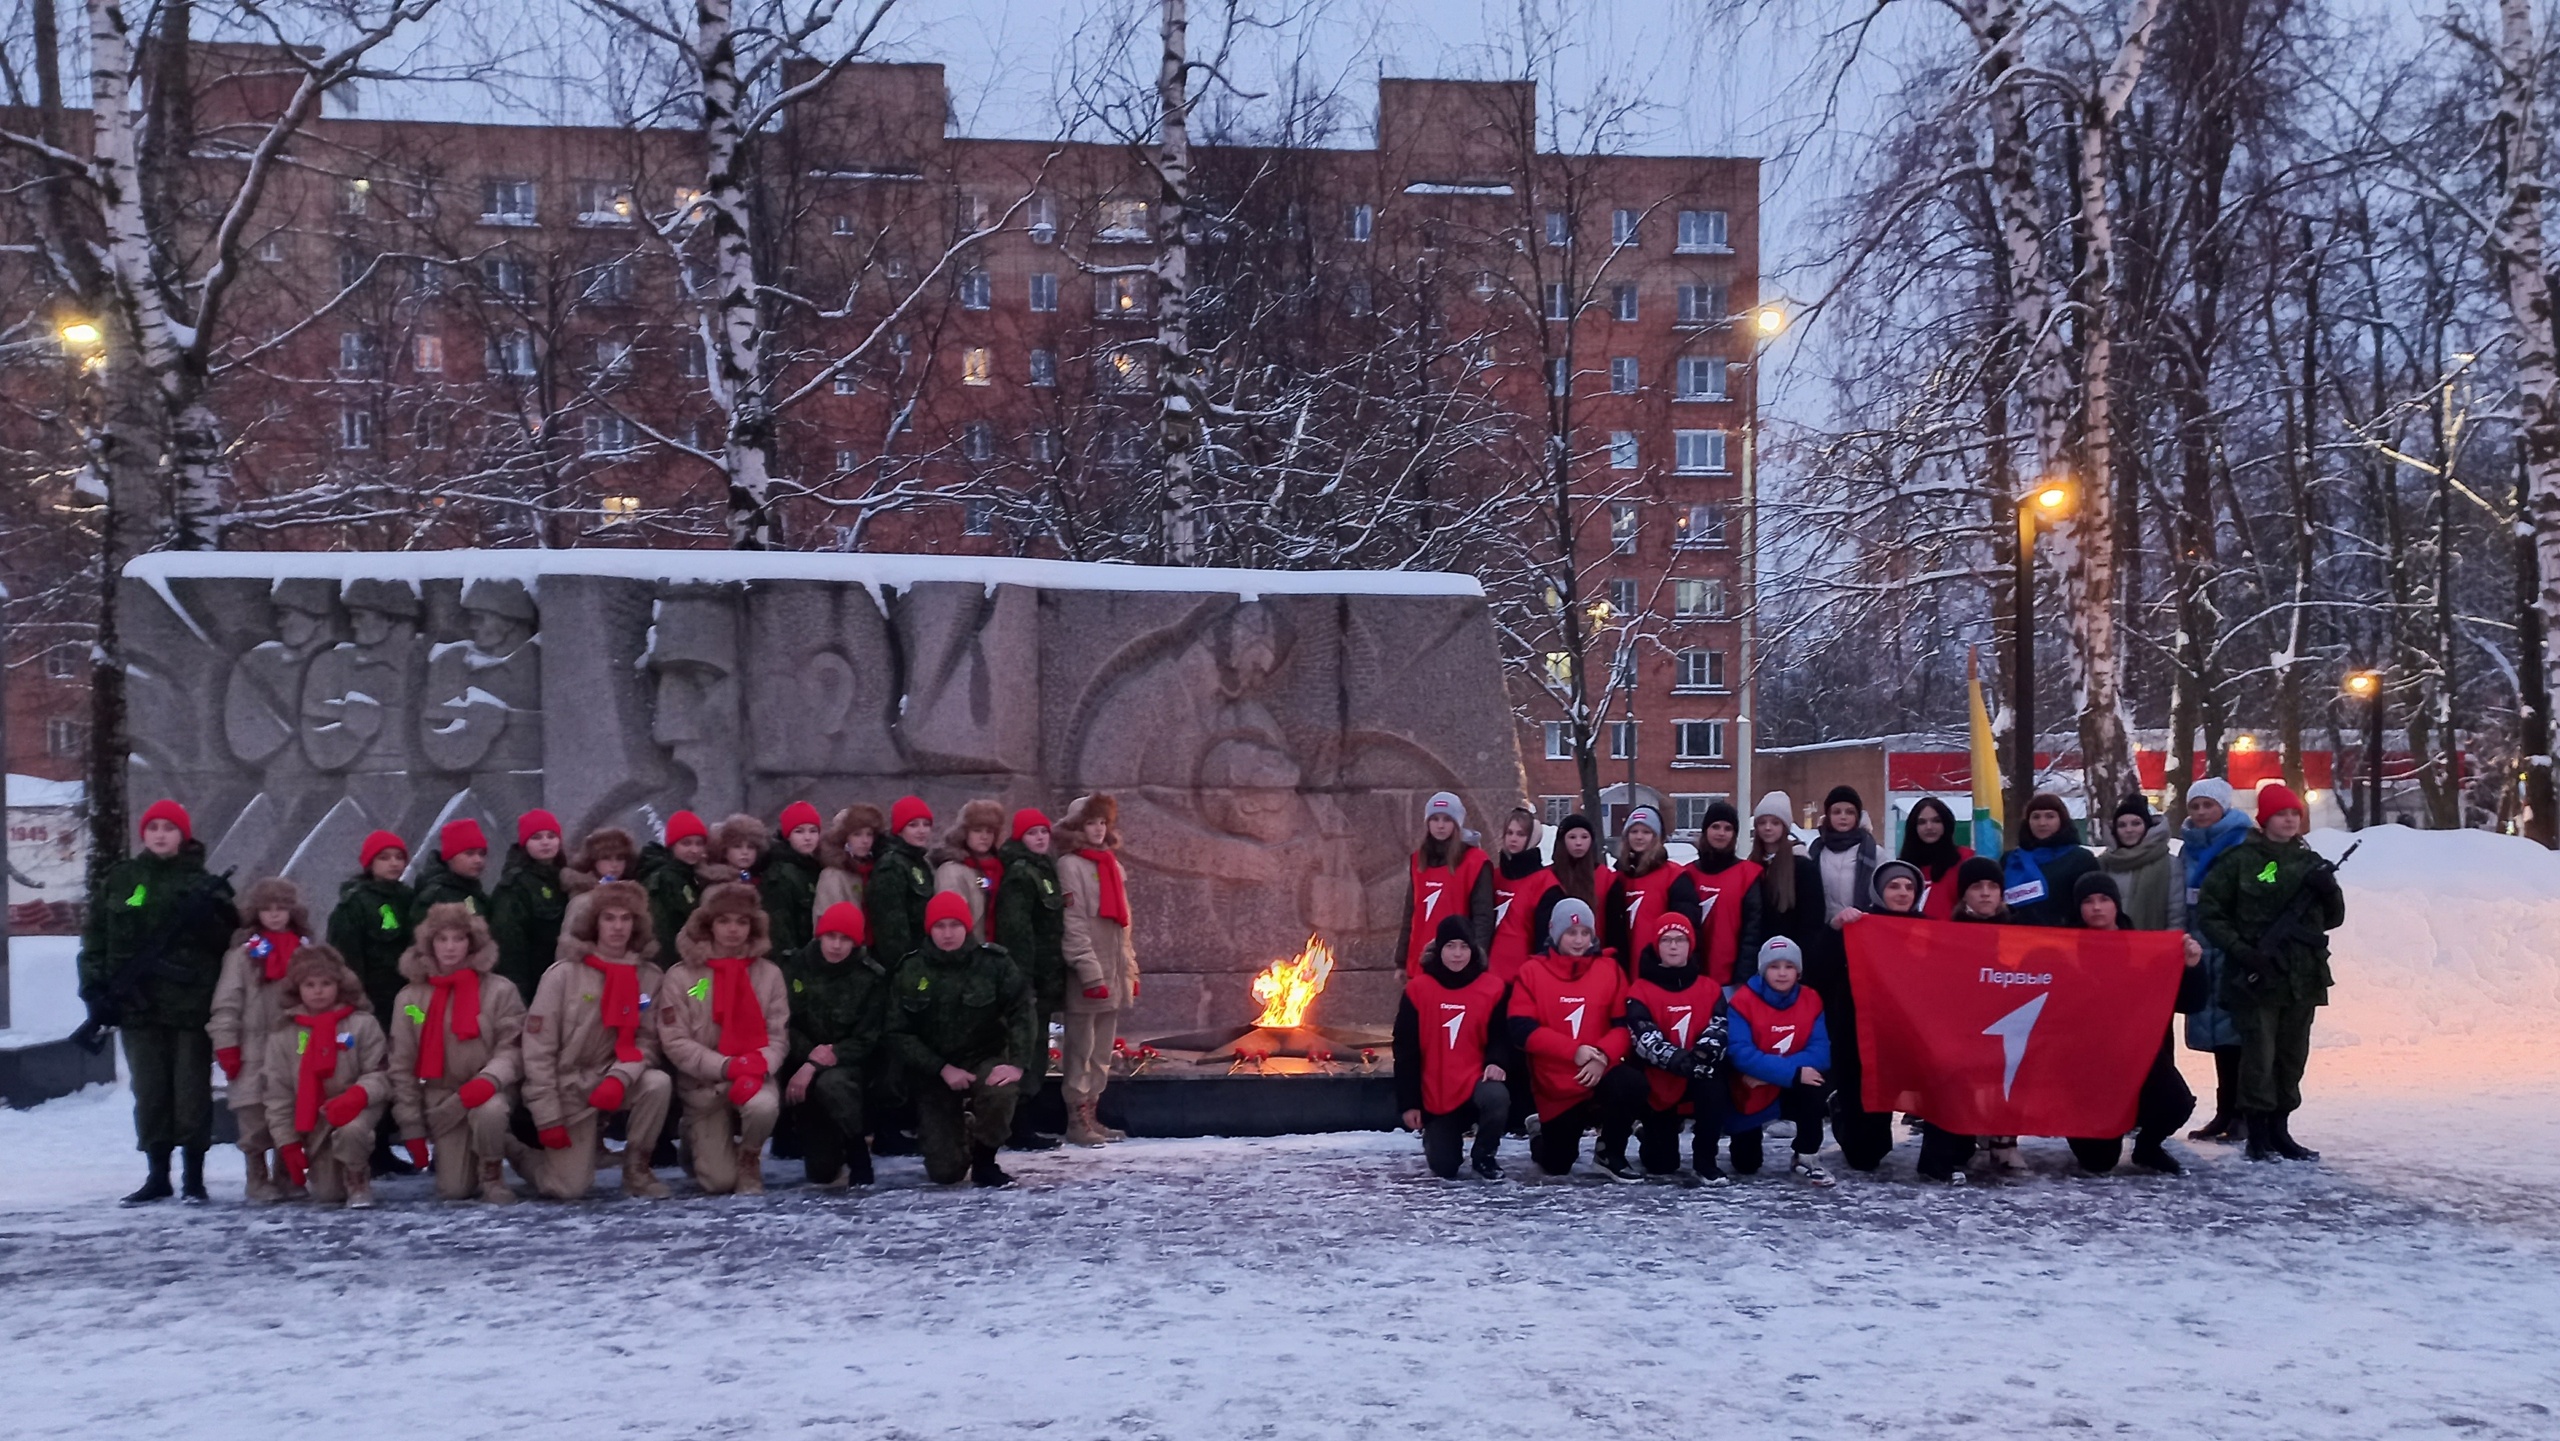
x: 364, y: 1060
x: 567, y: 1052
x: 692, y: 1039
x: 421, y: 1108
x: 1100, y: 952
x: 247, y: 1008
x: 836, y: 885
x: 970, y: 884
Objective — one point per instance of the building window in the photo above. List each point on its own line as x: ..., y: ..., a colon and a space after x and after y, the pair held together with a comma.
x: 1041, y: 219
x: 977, y: 290
x: 64, y: 736
x: 1697, y: 599
x: 511, y: 353
x: 352, y: 268
x: 1044, y: 293
x: 1689, y: 813
x: 422, y: 199
x: 1124, y: 370
x: 1556, y: 808
x: 692, y: 365
x: 1623, y: 227
x: 1044, y: 367
x: 1702, y: 378
x: 1044, y: 447
x: 1622, y: 301
x: 1622, y: 527
x: 977, y: 366
x: 357, y: 355
x: 65, y: 662
x: 426, y: 277
x: 1357, y: 223
x: 507, y: 202
x: 1698, y: 670
x: 1355, y: 298
x: 1118, y: 296
x: 355, y: 197
x: 847, y: 461
x: 1702, y: 305
x: 434, y: 430
x: 610, y: 282
x: 1703, y: 527
x: 1702, y: 232
x: 1559, y: 741
x: 978, y: 517
x: 355, y: 428
x: 847, y: 383
x: 1700, y: 452
x: 1560, y: 667
x: 1123, y: 222
x: 604, y: 202
x: 978, y: 442
x: 271, y: 249
x: 619, y: 509
x: 1559, y: 376
x: 426, y: 354
x: 609, y: 434
x: 1622, y: 740
x: 613, y: 357
x: 1623, y: 600
x: 1559, y: 305
x: 1559, y: 229
x: 1622, y: 375
x: 1622, y: 450
x: 1124, y: 445
x: 1697, y: 740
x: 507, y: 276
x: 840, y: 225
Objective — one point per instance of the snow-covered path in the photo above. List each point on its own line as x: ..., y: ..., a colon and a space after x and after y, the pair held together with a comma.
x: 1321, y: 1286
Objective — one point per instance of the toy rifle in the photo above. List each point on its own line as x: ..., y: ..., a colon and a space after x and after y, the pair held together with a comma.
x: 2268, y: 954
x: 125, y: 989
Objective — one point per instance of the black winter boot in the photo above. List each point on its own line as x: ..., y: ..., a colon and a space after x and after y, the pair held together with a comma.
x: 2262, y: 1130
x: 192, y: 1187
x: 983, y: 1170
x: 155, y: 1186
x: 2220, y: 1128
x: 857, y: 1165
x: 2285, y: 1145
x: 2148, y: 1154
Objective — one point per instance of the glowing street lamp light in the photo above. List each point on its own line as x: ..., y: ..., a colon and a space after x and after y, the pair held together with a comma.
x: 81, y: 333
x: 2366, y: 685
x: 2363, y: 684
x: 1769, y: 320
x: 2051, y: 498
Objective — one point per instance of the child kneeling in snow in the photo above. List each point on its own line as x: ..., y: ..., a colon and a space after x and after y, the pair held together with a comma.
x: 724, y: 1018
x: 456, y: 1057
x: 1676, y: 1030
x: 1778, y: 1049
x: 328, y: 1078
x: 1453, y: 1053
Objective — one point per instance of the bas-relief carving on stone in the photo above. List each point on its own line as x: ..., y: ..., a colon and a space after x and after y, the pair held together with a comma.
x: 1270, y: 753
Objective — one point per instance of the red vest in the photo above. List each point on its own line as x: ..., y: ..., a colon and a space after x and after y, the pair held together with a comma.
x: 1569, y: 1011
x: 1439, y: 892
x: 1681, y: 1015
x: 1515, y: 910
x: 1780, y: 1033
x: 1455, y: 1022
x: 1720, y: 897
x: 1640, y: 901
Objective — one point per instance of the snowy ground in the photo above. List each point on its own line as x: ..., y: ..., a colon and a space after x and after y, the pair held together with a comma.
x: 1321, y: 1286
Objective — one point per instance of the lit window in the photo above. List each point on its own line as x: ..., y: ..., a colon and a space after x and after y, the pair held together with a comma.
x: 977, y: 366
x: 1622, y: 450
x: 1119, y: 296
x: 355, y: 197
x: 1124, y: 370
x: 1123, y: 221
x: 604, y: 202
x: 1703, y: 378
x: 620, y: 509
x: 426, y: 353
x: 1699, y: 452
x: 1560, y: 667
x: 1702, y: 232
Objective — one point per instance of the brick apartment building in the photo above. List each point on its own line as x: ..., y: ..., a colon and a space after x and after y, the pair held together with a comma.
x: 511, y: 355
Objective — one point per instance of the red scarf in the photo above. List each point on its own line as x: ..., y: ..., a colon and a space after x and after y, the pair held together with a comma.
x: 319, y: 1062
x: 280, y: 946
x: 621, y: 1008
x: 993, y: 870
x: 734, y: 1007
x: 1114, y: 902
x: 458, y: 998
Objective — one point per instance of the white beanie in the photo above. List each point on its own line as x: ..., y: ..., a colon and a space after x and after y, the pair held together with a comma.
x: 1444, y: 804
x: 1775, y: 803
x: 1780, y: 948
x: 1645, y: 816
x: 1568, y: 912
x: 2211, y: 788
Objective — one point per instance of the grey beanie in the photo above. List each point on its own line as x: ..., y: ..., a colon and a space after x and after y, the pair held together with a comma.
x: 2211, y: 788
x: 1781, y: 948
x: 1442, y: 803
x: 1645, y: 816
x: 1567, y: 912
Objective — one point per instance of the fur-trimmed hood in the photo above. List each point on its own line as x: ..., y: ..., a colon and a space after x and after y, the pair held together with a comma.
x: 320, y: 958
x: 578, y: 923
x: 273, y: 891
x: 739, y: 830
x: 732, y: 898
x: 419, y: 961
x: 840, y: 831
x: 1098, y: 806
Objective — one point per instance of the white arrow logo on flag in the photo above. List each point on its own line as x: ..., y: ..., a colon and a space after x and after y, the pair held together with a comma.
x: 2013, y: 1030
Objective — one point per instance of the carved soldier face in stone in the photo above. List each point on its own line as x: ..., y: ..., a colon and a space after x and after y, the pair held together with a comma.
x: 375, y: 627
x: 694, y: 696
x: 1249, y: 787
x: 297, y: 629
x: 498, y: 634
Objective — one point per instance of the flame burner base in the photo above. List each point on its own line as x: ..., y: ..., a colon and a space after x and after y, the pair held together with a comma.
x: 1248, y: 1045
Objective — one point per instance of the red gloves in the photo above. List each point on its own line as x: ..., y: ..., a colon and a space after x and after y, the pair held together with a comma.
x: 554, y: 1138
x: 743, y: 1089
x: 228, y: 1058
x: 1097, y: 993
x: 297, y: 1168
x: 346, y: 1105
x: 607, y: 1096
x: 417, y: 1154
x: 750, y: 1064
x: 476, y: 1092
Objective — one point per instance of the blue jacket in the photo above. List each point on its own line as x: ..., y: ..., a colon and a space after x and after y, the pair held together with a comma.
x: 2209, y: 1026
x: 1742, y: 1051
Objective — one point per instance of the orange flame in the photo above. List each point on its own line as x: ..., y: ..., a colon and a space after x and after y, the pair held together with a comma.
x: 1287, y: 988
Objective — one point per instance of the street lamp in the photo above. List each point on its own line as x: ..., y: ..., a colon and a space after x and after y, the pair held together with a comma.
x: 81, y: 334
x: 2051, y: 499
x: 2366, y: 686
x: 1768, y: 322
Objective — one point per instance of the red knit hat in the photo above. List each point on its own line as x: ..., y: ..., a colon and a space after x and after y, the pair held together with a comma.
x: 2275, y: 798
x: 684, y: 824
x: 946, y: 906
x: 801, y: 813
x: 535, y: 822
x: 1027, y: 820
x: 909, y: 809
x: 1673, y: 921
x: 375, y: 845
x: 461, y: 835
x: 170, y: 811
x: 844, y: 918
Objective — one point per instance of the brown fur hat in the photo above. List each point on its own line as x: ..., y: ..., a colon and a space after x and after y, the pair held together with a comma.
x: 980, y: 814
x: 273, y: 891
x: 321, y: 959
x: 734, y: 898
x: 832, y: 847
x: 739, y: 830
x: 419, y: 961
x: 604, y: 843
x: 578, y: 925
x: 1085, y: 809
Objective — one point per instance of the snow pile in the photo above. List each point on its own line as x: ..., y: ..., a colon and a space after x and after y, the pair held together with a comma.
x: 2448, y: 934
x: 44, y: 989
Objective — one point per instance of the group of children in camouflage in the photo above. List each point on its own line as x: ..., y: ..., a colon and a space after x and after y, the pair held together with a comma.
x: 1650, y: 995
x: 846, y: 972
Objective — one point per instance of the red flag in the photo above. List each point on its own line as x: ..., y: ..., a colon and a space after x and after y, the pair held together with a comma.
x: 2010, y: 1030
